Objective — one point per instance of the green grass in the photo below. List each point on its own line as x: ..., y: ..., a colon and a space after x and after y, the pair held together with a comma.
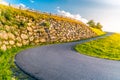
x: 8, y: 70
x: 107, y: 48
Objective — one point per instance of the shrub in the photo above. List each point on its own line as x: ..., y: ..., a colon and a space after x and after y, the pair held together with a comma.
x: 46, y: 24
x: 7, y: 14
x: 21, y: 24
x: 2, y: 20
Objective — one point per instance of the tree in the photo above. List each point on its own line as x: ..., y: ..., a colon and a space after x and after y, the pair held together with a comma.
x: 99, y: 26
x: 92, y: 24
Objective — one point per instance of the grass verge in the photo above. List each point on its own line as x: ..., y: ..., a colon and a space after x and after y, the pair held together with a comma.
x: 107, y: 48
x: 8, y: 69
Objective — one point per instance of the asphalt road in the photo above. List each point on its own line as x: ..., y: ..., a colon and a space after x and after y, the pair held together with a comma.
x: 62, y: 62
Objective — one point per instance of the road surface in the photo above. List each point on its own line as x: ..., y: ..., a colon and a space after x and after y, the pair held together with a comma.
x: 62, y: 62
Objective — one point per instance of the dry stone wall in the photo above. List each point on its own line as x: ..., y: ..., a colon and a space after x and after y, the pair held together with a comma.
x: 35, y: 33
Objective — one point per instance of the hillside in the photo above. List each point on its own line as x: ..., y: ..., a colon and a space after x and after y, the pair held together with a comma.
x: 24, y: 27
x: 21, y: 29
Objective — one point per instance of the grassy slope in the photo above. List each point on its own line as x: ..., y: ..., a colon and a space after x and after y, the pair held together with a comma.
x: 8, y: 70
x: 97, y: 31
x: 9, y: 13
x: 108, y: 48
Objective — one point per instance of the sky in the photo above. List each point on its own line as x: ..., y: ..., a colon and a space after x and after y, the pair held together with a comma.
x: 107, y: 12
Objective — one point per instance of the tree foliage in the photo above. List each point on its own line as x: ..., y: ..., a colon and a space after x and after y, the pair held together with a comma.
x: 92, y: 24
